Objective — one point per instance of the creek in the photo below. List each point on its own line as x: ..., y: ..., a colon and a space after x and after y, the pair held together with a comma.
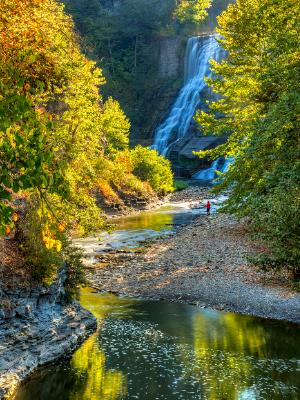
x: 132, y: 230
x: 166, y: 351
x: 158, y: 350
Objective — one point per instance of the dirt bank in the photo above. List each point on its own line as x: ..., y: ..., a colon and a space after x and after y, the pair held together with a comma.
x: 205, y: 264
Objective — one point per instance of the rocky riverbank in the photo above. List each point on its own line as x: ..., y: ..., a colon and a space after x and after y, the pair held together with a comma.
x: 37, y: 327
x: 205, y: 263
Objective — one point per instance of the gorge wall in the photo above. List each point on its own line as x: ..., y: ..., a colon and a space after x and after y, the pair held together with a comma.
x: 168, y: 55
x: 140, y: 48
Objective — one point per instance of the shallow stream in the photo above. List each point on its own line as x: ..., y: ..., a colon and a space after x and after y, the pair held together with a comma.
x: 158, y: 350
x: 131, y: 231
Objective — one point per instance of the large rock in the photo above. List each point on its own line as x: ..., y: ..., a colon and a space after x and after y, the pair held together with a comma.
x: 185, y: 163
x: 37, y: 326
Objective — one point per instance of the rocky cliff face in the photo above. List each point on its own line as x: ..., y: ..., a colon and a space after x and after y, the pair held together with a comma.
x: 36, y: 328
x: 168, y: 56
x: 169, y: 65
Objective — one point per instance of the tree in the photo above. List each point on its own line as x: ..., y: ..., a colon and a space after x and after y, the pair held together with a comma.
x: 194, y: 11
x: 116, y: 127
x: 259, y: 110
x: 27, y: 154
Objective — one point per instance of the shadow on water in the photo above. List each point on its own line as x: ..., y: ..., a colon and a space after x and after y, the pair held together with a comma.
x: 158, y: 350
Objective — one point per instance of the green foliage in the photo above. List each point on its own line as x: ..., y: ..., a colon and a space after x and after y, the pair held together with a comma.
x: 58, y: 141
x: 259, y: 109
x: 46, y: 249
x: 34, y: 236
x: 180, y: 184
x: 194, y: 11
x: 116, y: 127
x: 122, y: 39
x: 151, y: 167
x: 125, y: 40
x: 75, y: 270
x: 50, y: 115
x: 26, y: 149
x: 117, y: 180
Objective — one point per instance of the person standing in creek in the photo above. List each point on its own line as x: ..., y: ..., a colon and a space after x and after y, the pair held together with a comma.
x: 208, y: 205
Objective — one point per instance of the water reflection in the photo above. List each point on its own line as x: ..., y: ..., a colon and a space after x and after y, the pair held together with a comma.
x: 95, y: 382
x: 242, y: 358
x: 159, y: 350
x: 156, y: 220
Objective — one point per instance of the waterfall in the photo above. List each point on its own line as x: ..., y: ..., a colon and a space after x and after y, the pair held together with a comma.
x: 199, y: 51
x: 209, y: 174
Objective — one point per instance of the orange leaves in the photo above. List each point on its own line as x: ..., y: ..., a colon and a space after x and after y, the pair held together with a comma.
x: 9, y: 228
x: 26, y: 87
x: 15, y: 217
x: 107, y: 191
x: 25, y: 40
x: 61, y: 227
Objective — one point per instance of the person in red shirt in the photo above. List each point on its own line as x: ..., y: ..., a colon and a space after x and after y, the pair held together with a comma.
x: 208, y: 205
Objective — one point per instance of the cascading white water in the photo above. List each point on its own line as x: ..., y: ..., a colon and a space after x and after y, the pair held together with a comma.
x: 210, y: 173
x: 199, y: 51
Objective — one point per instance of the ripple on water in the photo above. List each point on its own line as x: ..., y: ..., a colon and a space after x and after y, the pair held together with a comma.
x: 190, y: 373
x: 165, y: 351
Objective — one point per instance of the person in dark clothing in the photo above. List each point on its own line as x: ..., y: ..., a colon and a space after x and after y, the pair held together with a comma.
x: 208, y: 205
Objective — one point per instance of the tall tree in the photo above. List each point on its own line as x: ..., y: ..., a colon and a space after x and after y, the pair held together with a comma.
x: 259, y: 110
x: 58, y: 138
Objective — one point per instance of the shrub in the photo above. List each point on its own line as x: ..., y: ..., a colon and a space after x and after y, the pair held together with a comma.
x: 38, y: 244
x: 149, y: 166
x: 75, y: 267
x: 180, y: 184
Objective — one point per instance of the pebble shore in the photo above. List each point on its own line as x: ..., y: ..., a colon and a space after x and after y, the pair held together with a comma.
x: 205, y: 264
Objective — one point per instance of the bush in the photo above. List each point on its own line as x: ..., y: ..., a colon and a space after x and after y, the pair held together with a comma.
x: 75, y: 267
x: 150, y: 167
x: 117, y: 179
x: 180, y: 184
x: 47, y: 250
x: 41, y: 252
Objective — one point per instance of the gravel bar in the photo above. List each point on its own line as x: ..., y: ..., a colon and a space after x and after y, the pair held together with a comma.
x: 205, y: 264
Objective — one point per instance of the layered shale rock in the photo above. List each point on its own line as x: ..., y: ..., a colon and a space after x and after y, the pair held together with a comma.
x: 37, y: 326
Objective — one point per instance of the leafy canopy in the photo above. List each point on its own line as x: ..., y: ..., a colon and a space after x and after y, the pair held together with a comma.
x: 58, y: 138
x: 259, y: 111
x: 194, y: 11
x: 149, y: 166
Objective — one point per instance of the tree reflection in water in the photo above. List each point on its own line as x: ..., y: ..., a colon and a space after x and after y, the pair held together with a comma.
x: 95, y: 381
x: 230, y: 353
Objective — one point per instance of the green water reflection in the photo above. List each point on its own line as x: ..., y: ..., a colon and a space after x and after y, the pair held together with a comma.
x: 159, y: 350
x: 89, y: 361
x: 156, y: 220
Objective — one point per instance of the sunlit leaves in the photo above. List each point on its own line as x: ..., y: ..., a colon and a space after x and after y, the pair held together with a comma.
x: 58, y: 139
x: 194, y: 11
x: 149, y: 166
x: 259, y: 110
x: 115, y: 126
